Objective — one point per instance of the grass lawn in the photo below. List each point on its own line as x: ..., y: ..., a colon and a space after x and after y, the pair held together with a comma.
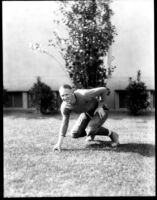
x: 32, y: 169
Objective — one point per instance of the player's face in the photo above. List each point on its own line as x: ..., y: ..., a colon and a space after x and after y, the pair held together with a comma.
x: 66, y: 95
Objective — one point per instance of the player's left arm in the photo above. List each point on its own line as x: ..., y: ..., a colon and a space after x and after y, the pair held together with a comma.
x: 99, y: 92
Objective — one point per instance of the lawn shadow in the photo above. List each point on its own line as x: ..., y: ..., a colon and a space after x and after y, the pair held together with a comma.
x: 147, y: 150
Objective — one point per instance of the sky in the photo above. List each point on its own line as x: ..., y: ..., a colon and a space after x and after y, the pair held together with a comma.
x: 134, y: 45
x: 26, y: 22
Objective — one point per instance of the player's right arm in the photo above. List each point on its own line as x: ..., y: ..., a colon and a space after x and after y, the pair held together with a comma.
x: 62, y: 131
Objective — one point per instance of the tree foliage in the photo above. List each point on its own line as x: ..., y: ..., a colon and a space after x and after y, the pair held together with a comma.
x: 5, y: 96
x: 42, y: 97
x: 138, y: 98
x: 90, y: 34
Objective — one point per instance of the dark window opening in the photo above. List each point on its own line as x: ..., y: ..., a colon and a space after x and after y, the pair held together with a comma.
x: 122, y: 99
x: 14, y: 99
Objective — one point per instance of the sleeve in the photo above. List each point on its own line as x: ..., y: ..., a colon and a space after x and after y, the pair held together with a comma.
x: 95, y: 92
x: 64, y: 110
x: 99, y: 93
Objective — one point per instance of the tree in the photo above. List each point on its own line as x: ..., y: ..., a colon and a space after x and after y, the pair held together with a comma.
x: 5, y: 96
x: 138, y: 98
x: 42, y: 97
x: 90, y: 35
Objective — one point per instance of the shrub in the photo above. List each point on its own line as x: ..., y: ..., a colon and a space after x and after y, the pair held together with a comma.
x: 42, y: 97
x: 138, y: 98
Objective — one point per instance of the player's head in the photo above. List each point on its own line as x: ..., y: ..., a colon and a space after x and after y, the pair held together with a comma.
x: 66, y: 86
x: 66, y: 93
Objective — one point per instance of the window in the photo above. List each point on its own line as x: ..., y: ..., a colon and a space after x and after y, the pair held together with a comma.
x: 14, y: 99
x: 122, y: 99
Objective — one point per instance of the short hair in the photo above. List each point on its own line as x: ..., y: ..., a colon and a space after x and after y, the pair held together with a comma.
x: 66, y: 86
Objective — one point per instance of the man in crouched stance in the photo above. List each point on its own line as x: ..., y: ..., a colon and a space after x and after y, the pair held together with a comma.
x: 90, y: 103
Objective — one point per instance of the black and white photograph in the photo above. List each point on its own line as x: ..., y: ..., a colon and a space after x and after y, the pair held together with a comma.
x: 78, y: 98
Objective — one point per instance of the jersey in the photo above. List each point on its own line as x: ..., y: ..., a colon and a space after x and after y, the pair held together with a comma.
x: 84, y: 103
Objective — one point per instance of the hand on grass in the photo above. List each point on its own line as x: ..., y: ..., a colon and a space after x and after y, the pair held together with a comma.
x: 57, y: 148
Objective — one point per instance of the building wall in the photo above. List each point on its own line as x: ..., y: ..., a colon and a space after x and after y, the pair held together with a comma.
x: 120, y: 83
